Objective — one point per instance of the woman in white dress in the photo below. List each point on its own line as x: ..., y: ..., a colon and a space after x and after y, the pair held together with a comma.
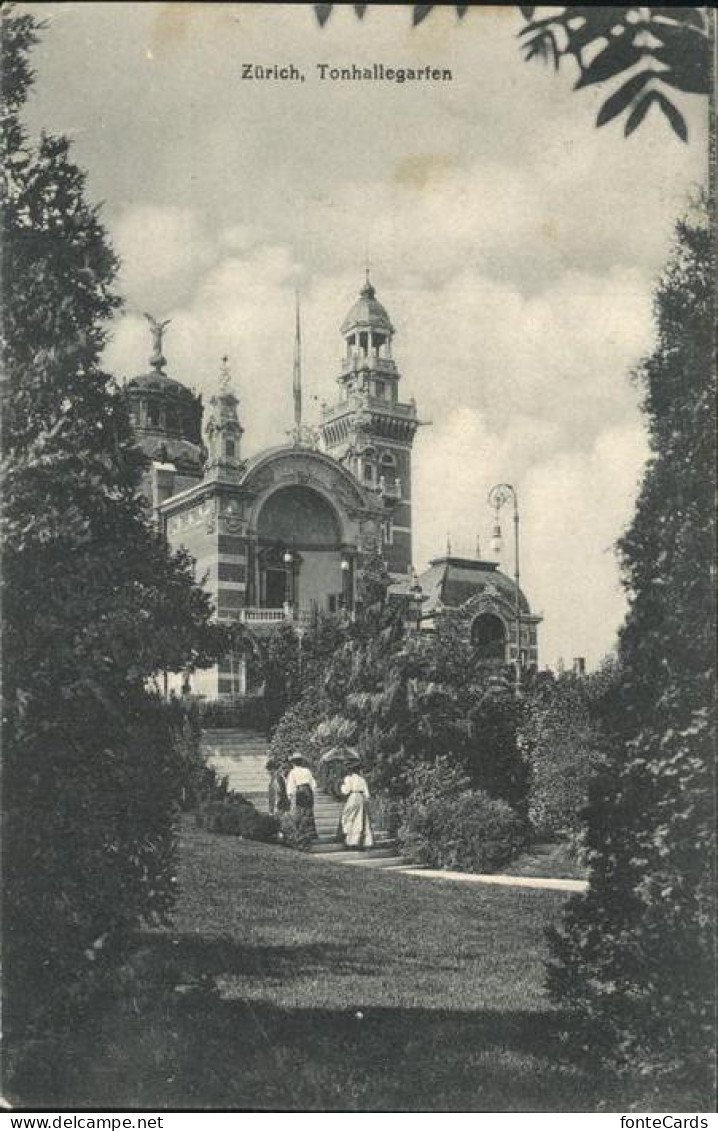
x: 356, y: 825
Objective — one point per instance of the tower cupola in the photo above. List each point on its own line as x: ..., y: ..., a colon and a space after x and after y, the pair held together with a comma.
x: 369, y: 429
x: 367, y: 328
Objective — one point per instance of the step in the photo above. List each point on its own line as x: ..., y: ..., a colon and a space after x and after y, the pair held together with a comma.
x: 233, y: 732
x: 368, y: 861
x: 333, y: 845
x: 349, y: 855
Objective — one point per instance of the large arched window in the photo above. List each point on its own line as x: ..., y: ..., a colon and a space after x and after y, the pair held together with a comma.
x: 299, y: 515
x: 488, y: 636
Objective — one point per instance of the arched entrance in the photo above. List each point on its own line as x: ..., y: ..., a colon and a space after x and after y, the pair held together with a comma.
x: 488, y: 636
x: 300, y: 555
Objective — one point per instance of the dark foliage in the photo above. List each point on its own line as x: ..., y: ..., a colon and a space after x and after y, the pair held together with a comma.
x: 93, y: 605
x: 561, y: 738
x: 655, y: 50
x: 227, y: 812
x: 447, y: 825
x: 635, y: 958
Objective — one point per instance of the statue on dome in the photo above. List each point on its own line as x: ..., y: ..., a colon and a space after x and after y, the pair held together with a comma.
x: 157, y: 330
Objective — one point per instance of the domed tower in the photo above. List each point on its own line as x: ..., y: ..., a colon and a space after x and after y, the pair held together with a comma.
x: 166, y: 416
x: 369, y: 429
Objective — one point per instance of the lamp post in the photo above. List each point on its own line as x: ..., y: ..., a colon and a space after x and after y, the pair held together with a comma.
x: 499, y: 496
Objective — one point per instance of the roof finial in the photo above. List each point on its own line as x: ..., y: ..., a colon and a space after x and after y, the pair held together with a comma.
x: 157, y: 330
x: 478, y: 546
x: 225, y: 376
x: 367, y: 289
x: 448, y: 544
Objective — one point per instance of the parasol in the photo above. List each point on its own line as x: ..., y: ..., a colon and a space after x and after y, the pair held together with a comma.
x: 339, y: 754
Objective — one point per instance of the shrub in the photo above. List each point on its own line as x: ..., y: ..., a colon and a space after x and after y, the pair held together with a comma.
x: 231, y: 814
x: 467, y: 831
x: 292, y: 836
x: 294, y: 731
x: 562, y: 742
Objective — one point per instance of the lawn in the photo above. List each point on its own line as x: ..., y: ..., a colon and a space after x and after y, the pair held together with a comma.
x: 290, y: 983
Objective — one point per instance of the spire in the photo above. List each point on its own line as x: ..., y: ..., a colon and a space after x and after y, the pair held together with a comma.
x: 223, y: 430
x: 297, y: 384
x: 448, y: 544
x: 368, y: 288
x: 225, y: 376
x: 478, y: 546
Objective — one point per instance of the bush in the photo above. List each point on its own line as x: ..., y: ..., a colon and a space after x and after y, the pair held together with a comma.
x: 466, y: 831
x: 294, y: 731
x: 561, y: 739
x: 292, y: 836
x: 233, y: 815
x: 89, y: 851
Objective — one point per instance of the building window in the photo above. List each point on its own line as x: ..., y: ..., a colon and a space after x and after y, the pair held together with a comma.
x: 380, y: 389
x: 232, y: 675
x: 387, y: 532
x: 153, y: 416
x: 332, y: 602
x: 230, y: 449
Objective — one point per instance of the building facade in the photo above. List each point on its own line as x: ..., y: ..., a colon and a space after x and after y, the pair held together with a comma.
x: 283, y: 533
x: 485, y: 604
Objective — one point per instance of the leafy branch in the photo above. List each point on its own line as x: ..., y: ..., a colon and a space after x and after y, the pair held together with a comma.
x: 657, y: 50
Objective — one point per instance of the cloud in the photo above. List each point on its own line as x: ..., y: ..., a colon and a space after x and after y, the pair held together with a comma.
x: 573, y: 507
x: 163, y: 250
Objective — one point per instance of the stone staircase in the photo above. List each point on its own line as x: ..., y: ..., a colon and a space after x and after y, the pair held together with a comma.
x: 241, y: 755
x: 327, y: 812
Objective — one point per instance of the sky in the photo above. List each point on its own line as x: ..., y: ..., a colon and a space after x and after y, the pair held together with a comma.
x: 515, y: 246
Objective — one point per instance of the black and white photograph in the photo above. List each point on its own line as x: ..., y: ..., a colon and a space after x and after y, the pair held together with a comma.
x: 358, y: 616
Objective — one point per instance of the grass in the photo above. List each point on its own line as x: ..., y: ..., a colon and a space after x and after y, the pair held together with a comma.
x: 288, y: 983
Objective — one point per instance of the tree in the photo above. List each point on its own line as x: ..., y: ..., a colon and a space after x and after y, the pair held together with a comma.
x: 662, y: 49
x: 634, y: 959
x: 94, y: 604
